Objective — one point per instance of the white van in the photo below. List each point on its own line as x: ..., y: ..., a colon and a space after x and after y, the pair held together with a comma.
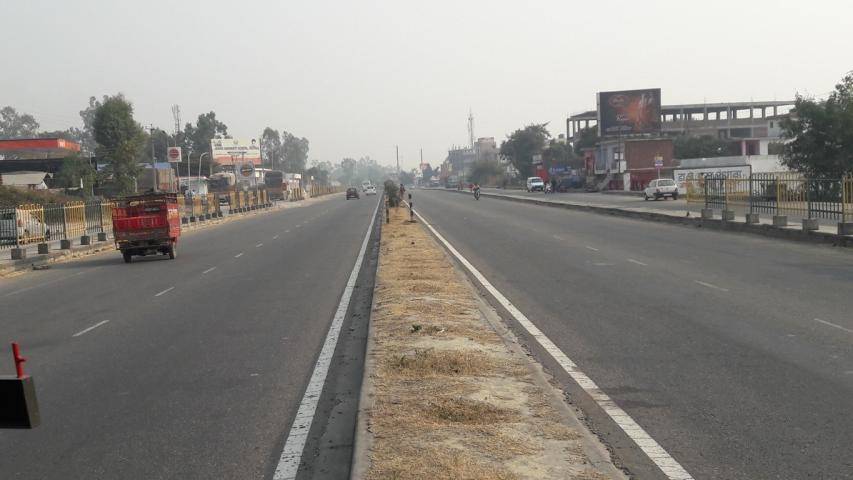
x: 535, y: 183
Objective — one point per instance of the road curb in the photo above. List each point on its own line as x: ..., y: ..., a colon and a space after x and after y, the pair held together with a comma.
x: 785, y: 233
x: 363, y: 438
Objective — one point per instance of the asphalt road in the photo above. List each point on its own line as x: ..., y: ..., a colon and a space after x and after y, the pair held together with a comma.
x: 202, y: 362
x: 734, y: 352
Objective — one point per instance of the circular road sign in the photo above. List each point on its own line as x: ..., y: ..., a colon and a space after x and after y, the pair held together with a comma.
x: 174, y: 154
x: 247, y: 169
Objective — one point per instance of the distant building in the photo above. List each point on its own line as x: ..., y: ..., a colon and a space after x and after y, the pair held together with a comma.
x: 35, y: 154
x: 25, y: 180
x: 754, y: 125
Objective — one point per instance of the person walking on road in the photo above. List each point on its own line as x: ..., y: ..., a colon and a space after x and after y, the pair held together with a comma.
x: 553, y: 184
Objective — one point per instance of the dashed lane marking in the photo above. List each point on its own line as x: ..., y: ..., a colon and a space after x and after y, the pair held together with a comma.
x: 165, y: 291
x: 259, y: 245
x: 830, y: 324
x: 711, y: 285
x: 591, y: 248
x: 208, y: 270
x: 656, y: 453
x: 238, y: 255
x: 87, y: 330
x: 638, y: 262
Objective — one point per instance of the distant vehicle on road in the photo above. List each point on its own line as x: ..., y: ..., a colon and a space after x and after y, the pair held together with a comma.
x: 276, y: 184
x: 352, y: 192
x: 370, y: 190
x: 146, y: 225
x: 535, y: 184
x: 661, y: 188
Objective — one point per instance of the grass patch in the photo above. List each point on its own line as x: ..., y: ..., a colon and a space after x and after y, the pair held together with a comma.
x: 467, y: 412
x: 431, y: 362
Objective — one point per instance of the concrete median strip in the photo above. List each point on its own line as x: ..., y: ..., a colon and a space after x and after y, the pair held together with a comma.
x: 448, y: 392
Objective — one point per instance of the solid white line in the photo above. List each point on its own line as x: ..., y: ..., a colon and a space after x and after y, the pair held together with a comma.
x: 670, y: 467
x: 238, y: 255
x: 638, y: 262
x: 291, y: 455
x: 591, y: 248
x: 711, y: 285
x: 208, y: 270
x: 259, y: 245
x: 833, y: 325
x: 81, y: 332
x: 165, y: 291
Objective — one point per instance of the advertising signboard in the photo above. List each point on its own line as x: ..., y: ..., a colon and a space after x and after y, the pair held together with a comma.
x: 696, y: 175
x: 629, y: 112
x: 234, y: 151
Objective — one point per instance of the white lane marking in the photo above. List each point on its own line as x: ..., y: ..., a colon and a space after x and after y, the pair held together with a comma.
x: 86, y: 330
x: 711, y: 285
x: 638, y: 262
x: 275, y: 237
x: 259, y: 245
x: 557, y: 237
x: 656, y: 453
x: 165, y: 291
x: 291, y: 455
x: 591, y: 248
x: 238, y: 255
x: 603, y: 264
x: 287, y: 231
x: 298, y: 226
x: 208, y: 270
x: 830, y: 324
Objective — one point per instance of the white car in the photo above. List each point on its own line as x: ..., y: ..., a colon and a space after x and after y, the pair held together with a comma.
x: 661, y: 188
x: 370, y: 190
x: 535, y: 183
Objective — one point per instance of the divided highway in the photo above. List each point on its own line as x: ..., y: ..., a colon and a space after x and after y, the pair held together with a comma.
x: 192, y: 368
x: 734, y: 352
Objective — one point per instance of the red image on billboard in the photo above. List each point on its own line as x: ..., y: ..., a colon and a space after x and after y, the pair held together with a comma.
x: 629, y: 112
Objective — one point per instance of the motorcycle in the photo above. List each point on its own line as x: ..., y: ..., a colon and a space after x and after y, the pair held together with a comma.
x: 476, y: 193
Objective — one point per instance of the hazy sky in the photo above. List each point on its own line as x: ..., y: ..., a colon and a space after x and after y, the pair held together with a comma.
x: 358, y: 77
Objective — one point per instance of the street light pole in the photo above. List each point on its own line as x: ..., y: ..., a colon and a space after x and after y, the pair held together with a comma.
x: 198, y: 179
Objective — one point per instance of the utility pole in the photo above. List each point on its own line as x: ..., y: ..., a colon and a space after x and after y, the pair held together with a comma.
x: 397, y: 149
x: 176, y: 115
x: 153, y: 159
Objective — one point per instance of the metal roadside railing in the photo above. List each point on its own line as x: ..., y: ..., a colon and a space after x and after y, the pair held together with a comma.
x: 35, y: 224
x: 25, y: 225
x: 777, y: 194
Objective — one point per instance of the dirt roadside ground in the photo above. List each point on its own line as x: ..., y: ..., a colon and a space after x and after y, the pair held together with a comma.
x: 448, y: 393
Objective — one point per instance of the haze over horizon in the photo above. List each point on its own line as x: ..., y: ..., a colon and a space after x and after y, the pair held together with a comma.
x: 356, y: 79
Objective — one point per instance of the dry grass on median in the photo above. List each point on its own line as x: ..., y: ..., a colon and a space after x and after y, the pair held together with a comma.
x: 450, y: 400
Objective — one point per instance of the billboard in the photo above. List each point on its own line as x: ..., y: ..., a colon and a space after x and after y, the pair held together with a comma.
x: 697, y: 175
x: 629, y: 112
x: 232, y: 151
x: 173, y: 154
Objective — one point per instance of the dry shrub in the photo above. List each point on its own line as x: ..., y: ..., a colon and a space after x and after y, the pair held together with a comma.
x: 434, y: 464
x: 430, y: 362
x: 466, y: 411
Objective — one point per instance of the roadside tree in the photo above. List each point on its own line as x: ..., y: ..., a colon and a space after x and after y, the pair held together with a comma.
x: 120, y: 141
x: 820, y: 134
x: 521, y: 145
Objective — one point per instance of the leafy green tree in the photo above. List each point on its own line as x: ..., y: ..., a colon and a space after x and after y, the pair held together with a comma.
x: 521, y: 145
x: 75, y: 171
x: 120, y: 141
x: 820, y: 134
x: 87, y: 134
x: 705, y: 146
x: 588, y: 138
x: 271, y: 148
x: 17, y: 125
x: 347, y: 171
x: 196, y: 138
x: 560, y: 154
x: 294, y: 152
x: 483, y: 171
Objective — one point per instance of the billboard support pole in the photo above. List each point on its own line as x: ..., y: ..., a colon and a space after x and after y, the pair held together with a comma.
x: 198, y: 179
